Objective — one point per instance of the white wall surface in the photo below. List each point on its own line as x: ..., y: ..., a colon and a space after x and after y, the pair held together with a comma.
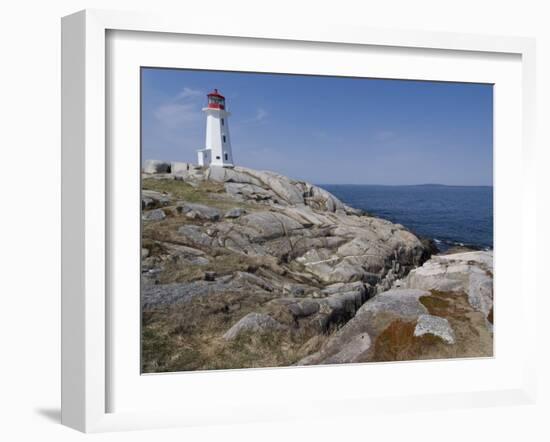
x: 30, y: 216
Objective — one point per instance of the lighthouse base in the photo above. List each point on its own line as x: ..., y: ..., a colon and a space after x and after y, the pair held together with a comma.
x: 205, y: 158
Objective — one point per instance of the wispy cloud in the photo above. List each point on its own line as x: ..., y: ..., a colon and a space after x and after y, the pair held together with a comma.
x: 260, y: 115
x: 187, y: 93
x: 183, y: 108
x: 172, y: 114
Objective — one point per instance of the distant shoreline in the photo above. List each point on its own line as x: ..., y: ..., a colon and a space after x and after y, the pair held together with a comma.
x: 407, y: 185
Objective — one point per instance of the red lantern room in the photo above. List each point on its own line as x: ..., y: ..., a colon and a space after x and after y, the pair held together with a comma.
x: 216, y: 100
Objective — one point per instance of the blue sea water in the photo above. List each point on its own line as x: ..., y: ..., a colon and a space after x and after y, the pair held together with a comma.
x: 450, y: 215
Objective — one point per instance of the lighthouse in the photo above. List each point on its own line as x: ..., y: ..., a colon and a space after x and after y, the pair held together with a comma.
x: 217, y: 150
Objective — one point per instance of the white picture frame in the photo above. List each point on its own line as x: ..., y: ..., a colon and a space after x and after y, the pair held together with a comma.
x: 86, y: 314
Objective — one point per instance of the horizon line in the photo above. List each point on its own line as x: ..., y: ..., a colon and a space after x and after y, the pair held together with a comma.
x: 406, y: 185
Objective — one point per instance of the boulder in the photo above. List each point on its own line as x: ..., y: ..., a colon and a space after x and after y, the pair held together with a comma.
x: 154, y: 215
x: 156, y: 166
x: 469, y: 273
x: 283, y: 187
x: 199, y: 211
x: 195, y: 234
x: 151, y: 199
x: 324, y: 200
x: 249, y: 192
x: 403, y: 303
x: 253, y: 322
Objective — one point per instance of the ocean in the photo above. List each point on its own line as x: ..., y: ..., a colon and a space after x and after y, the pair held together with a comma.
x: 450, y: 215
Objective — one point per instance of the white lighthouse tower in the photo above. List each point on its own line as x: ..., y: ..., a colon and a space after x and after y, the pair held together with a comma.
x: 217, y: 151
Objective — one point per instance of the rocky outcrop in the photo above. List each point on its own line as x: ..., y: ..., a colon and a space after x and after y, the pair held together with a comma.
x: 470, y: 273
x: 438, y: 311
x: 277, y: 260
x: 313, y: 234
x: 249, y: 184
x: 321, y: 311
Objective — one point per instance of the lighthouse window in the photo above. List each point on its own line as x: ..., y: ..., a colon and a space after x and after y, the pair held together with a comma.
x: 226, y: 157
x: 217, y: 157
x: 223, y: 122
x: 223, y: 138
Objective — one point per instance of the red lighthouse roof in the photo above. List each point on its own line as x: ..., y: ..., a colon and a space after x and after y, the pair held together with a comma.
x: 216, y: 100
x: 215, y: 93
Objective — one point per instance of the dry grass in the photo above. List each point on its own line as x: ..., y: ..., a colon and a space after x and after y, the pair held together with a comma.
x: 155, y: 248
x: 223, y: 264
x: 209, y: 193
x: 182, y: 190
x: 189, y: 337
x: 166, y: 229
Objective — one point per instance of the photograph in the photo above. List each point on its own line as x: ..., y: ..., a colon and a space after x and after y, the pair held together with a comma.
x: 296, y: 220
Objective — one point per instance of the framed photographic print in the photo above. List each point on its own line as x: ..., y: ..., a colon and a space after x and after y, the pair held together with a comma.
x: 250, y: 213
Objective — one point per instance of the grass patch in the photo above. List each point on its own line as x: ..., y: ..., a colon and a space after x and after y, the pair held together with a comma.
x: 155, y: 248
x: 222, y: 264
x: 189, y: 336
x: 156, y: 348
x: 210, y: 193
x: 182, y: 190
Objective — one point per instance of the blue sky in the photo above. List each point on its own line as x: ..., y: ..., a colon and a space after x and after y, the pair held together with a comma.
x: 328, y: 130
